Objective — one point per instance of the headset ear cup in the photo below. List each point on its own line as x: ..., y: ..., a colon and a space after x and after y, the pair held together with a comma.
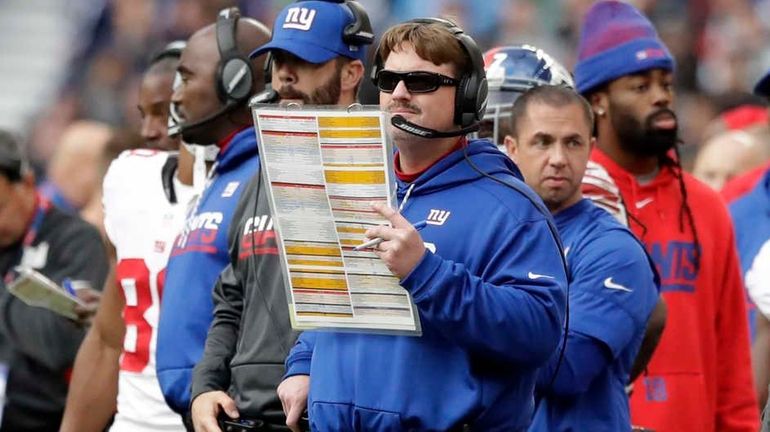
x: 376, y: 66
x: 467, y: 101
x: 221, y: 92
x: 359, y: 32
x: 268, y: 70
x: 237, y: 79
x: 475, y: 91
x: 481, y: 99
x: 459, y: 115
x: 234, y: 74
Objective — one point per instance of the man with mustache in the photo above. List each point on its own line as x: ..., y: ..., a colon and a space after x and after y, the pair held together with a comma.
x: 251, y: 334
x: 486, y: 274
x: 700, y: 376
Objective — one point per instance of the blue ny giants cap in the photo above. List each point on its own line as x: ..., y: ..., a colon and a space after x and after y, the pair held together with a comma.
x: 313, y: 31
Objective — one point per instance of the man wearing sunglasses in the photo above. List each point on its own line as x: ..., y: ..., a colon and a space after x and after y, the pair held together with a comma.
x: 486, y: 274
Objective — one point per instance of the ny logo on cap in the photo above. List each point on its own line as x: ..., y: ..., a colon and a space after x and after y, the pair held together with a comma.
x: 299, y: 18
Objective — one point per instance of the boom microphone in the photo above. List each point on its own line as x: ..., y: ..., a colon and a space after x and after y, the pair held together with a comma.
x: 268, y: 95
x: 186, y: 128
x: 421, y: 131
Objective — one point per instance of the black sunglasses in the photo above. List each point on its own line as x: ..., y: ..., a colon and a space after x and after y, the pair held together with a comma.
x: 416, y: 82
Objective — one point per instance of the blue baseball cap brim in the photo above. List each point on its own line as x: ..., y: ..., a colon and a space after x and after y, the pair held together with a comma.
x: 763, y: 86
x: 312, y: 54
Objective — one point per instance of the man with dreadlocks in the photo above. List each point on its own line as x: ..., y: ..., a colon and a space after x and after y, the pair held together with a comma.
x: 700, y: 376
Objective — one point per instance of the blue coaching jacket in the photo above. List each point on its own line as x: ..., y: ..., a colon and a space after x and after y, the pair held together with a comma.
x: 613, y: 290
x: 751, y: 219
x: 199, y: 255
x: 490, y: 291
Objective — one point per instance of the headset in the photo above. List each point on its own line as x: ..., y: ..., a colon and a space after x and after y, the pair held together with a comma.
x: 470, y: 106
x: 358, y: 33
x: 471, y: 92
x: 234, y: 75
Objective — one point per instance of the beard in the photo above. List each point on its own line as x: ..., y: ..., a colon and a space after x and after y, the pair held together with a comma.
x: 644, y: 139
x: 326, y: 94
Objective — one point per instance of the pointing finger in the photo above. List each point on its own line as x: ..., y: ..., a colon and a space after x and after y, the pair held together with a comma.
x: 392, y: 215
x: 382, y: 231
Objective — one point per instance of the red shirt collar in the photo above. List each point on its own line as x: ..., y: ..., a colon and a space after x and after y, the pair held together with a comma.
x: 408, y: 178
x: 224, y: 142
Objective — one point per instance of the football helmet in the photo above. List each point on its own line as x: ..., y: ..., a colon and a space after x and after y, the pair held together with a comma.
x: 511, y: 71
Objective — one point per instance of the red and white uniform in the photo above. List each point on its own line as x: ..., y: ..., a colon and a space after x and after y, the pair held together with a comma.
x: 142, y: 224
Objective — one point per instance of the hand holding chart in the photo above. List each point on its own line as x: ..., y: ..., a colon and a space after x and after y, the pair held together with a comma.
x: 323, y: 168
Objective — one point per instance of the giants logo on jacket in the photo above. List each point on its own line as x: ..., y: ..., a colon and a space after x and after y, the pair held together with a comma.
x: 258, y: 237
x: 199, y: 234
x: 675, y: 261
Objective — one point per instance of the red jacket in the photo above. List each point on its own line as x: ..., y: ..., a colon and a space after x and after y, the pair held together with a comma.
x: 700, y: 378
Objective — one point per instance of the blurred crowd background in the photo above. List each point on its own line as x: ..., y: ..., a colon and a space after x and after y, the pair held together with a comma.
x: 64, y: 61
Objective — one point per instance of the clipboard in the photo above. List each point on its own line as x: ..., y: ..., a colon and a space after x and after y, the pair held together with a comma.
x: 322, y: 167
x: 34, y: 289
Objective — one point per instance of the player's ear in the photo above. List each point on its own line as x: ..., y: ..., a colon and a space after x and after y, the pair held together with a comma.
x: 511, y: 146
x: 599, y: 103
x: 351, y: 74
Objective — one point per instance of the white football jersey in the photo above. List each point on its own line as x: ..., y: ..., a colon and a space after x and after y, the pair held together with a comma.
x: 142, y: 224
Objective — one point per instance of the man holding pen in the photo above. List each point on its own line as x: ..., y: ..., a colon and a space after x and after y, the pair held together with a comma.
x: 374, y: 243
x: 486, y: 273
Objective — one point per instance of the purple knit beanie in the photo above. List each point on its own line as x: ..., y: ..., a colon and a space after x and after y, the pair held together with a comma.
x: 617, y: 40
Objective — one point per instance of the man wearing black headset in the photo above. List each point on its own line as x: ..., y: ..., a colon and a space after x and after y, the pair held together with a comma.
x: 216, y: 81
x: 37, y: 346
x: 486, y: 273
x: 317, y: 50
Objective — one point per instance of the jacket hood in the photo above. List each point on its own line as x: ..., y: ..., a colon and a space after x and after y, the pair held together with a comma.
x: 241, y: 147
x: 465, y: 165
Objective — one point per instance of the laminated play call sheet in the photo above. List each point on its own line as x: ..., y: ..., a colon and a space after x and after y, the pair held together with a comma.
x: 322, y: 169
